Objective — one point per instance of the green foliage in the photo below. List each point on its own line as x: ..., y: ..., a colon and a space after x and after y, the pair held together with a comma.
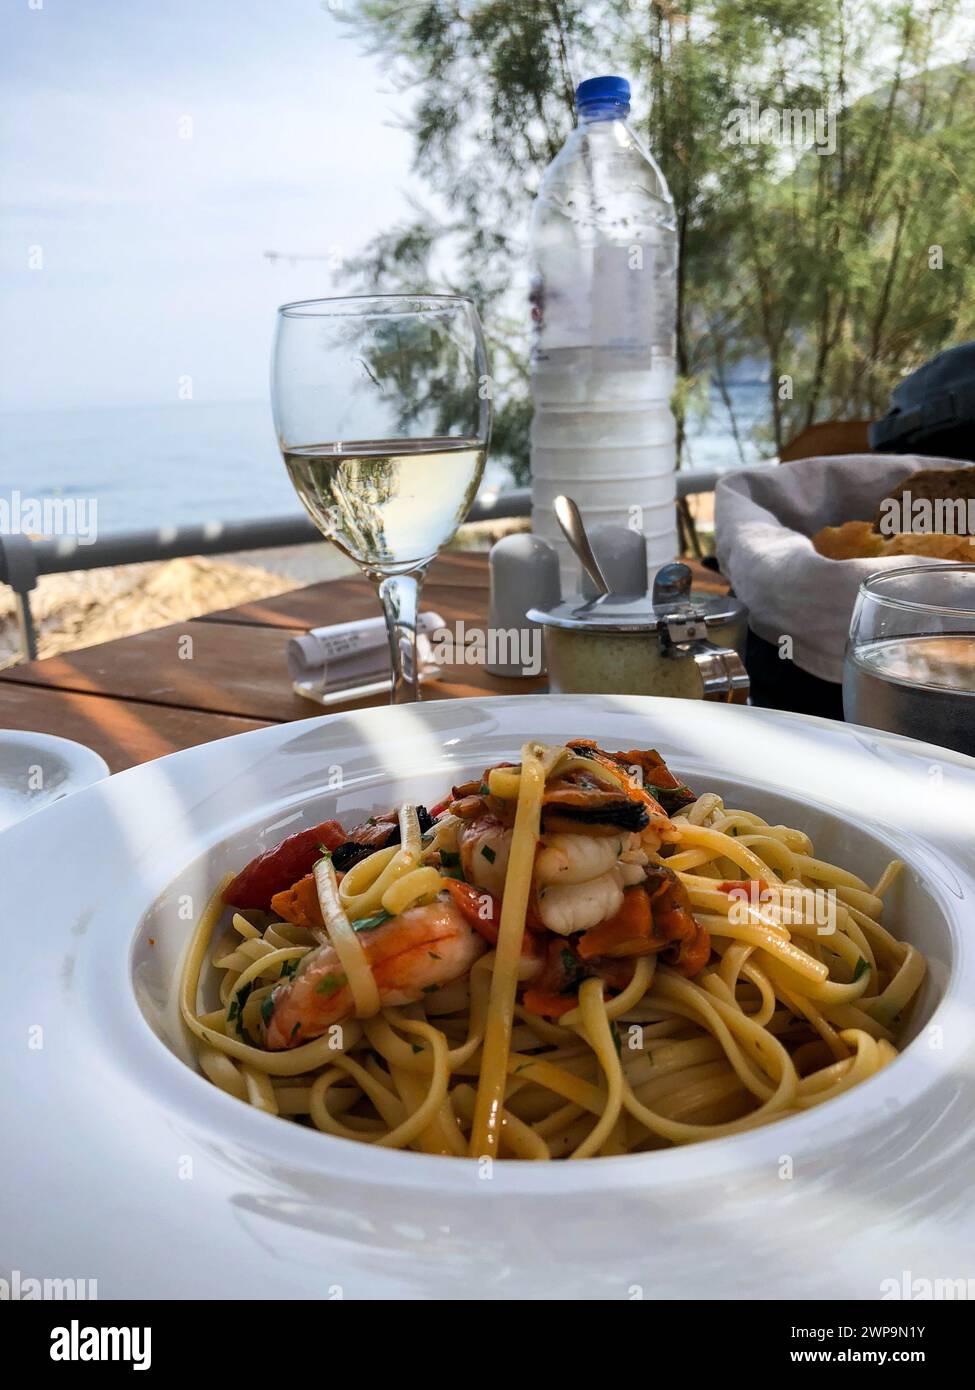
x: 819, y: 265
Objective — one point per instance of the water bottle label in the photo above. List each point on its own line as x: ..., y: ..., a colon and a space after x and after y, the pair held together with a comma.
x: 626, y: 320
x: 633, y: 302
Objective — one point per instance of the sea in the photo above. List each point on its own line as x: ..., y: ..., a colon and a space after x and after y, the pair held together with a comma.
x: 192, y: 462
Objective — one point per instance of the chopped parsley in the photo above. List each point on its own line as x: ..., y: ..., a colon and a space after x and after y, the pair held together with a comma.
x: 237, y: 1004
x: 861, y: 966
x: 484, y: 789
x: 367, y: 923
x: 450, y: 865
x: 326, y: 852
x: 288, y: 968
x: 430, y: 989
x: 295, y: 1028
x: 329, y: 985
x: 488, y: 853
x: 267, y: 1009
x: 416, y: 1047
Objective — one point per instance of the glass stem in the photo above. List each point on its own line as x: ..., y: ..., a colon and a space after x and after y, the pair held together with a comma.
x: 400, y: 595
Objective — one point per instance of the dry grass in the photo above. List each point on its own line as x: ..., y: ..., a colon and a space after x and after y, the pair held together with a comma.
x: 78, y: 610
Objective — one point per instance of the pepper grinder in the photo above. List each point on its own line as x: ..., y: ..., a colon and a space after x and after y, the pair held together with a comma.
x: 524, y: 574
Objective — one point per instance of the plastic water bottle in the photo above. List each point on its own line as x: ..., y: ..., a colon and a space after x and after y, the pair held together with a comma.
x: 603, y: 248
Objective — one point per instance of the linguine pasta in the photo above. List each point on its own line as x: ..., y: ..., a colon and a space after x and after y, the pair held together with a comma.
x: 784, y: 992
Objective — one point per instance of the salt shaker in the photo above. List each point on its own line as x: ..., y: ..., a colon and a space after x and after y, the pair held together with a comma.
x: 622, y: 556
x: 524, y: 574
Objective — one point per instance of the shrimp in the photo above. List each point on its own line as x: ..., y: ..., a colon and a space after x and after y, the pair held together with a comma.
x: 411, y: 955
x: 631, y: 874
x: 578, y: 880
x: 571, y: 907
x: 575, y: 858
x: 579, y: 858
x: 485, y: 844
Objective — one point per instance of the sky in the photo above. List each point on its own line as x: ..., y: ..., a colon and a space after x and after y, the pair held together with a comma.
x: 151, y: 153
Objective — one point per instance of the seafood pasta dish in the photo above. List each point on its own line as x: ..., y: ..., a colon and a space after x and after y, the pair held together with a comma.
x: 574, y: 955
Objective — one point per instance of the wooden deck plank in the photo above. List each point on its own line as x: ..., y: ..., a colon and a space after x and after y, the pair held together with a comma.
x: 354, y: 597
x: 124, y: 732
x: 218, y: 668
x: 345, y: 600
x: 466, y: 568
x: 337, y: 601
x: 223, y: 668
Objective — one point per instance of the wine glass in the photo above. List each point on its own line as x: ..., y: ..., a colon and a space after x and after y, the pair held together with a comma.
x: 910, y: 659
x: 382, y: 408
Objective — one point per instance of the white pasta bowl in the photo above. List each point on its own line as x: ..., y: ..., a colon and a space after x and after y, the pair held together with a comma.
x: 123, y: 1164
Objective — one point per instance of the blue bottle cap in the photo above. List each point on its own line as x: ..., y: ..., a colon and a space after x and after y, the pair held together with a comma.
x: 603, y: 91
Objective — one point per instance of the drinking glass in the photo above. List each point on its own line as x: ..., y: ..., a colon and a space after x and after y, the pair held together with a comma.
x: 383, y: 414
x: 910, y: 658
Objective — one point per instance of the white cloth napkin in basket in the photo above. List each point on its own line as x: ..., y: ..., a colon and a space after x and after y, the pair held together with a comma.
x: 764, y: 518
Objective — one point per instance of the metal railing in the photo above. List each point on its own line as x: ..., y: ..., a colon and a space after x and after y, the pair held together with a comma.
x: 23, y: 561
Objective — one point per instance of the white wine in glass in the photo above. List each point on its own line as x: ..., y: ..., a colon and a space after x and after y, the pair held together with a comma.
x: 388, y: 504
x: 382, y: 406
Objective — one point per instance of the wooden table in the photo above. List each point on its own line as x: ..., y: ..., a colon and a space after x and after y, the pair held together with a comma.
x: 140, y: 697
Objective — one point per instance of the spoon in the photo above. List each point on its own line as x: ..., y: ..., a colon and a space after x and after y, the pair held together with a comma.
x: 568, y: 516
